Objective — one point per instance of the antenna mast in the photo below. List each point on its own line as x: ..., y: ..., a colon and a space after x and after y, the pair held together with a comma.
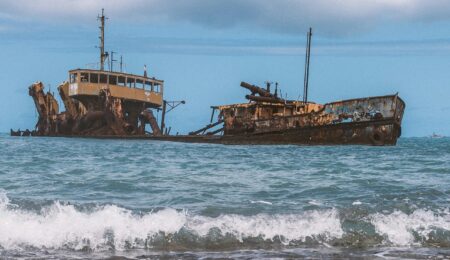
x: 307, y: 59
x: 112, y: 61
x: 103, y: 55
x: 121, y: 63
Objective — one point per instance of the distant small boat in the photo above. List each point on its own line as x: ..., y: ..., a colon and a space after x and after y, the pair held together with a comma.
x: 434, y: 135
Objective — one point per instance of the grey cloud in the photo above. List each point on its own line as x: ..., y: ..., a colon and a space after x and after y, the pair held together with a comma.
x: 330, y: 17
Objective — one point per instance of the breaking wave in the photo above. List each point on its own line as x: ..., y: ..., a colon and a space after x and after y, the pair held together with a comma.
x: 418, y: 228
x: 103, y: 227
x: 63, y: 226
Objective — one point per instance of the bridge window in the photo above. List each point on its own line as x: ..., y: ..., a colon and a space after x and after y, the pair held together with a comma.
x: 157, y: 88
x: 103, y: 79
x: 112, y: 80
x: 139, y: 83
x: 121, y: 81
x: 93, y: 78
x: 84, y: 77
x: 148, y: 86
x: 73, y: 78
x: 130, y: 82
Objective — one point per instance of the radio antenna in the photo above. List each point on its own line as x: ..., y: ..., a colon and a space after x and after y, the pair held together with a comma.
x: 112, y: 61
x: 121, y: 63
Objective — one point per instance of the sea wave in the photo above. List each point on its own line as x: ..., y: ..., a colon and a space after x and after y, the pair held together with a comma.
x: 418, y: 228
x: 64, y: 226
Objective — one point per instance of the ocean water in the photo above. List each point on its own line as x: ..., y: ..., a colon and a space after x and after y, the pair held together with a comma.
x: 86, y: 198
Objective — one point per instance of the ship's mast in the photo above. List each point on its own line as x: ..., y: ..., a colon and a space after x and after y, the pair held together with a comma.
x: 112, y: 61
x: 307, y: 59
x: 103, y: 54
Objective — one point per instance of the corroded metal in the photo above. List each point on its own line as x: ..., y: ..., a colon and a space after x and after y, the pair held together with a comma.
x: 99, y: 103
x: 96, y: 108
x: 372, y: 120
x: 270, y: 120
x: 47, y: 109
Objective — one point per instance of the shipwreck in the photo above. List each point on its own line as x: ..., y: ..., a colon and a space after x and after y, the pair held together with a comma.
x: 100, y: 102
x: 103, y: 103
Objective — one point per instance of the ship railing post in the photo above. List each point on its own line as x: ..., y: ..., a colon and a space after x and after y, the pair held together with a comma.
x: 163, y: 116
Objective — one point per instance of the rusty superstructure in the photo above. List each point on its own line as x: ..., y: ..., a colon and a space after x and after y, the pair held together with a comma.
x: 269, y: 119
x: 99, y: 102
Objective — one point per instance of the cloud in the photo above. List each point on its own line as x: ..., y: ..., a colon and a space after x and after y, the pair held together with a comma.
x: 330, y: 17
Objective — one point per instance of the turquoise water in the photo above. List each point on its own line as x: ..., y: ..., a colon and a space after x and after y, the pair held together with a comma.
x: 85, y: 198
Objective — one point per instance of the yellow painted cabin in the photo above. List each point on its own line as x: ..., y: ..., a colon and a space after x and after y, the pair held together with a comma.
x: 129, y: 87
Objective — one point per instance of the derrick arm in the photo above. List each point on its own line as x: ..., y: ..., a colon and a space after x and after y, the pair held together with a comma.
x: 47, y: 108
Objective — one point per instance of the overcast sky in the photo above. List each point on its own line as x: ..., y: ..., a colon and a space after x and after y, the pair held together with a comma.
x: 204, y: 48
x: 329, y: 17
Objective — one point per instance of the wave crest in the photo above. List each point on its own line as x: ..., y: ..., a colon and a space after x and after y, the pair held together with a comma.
x: 419, y: 227
x: 64, y: 226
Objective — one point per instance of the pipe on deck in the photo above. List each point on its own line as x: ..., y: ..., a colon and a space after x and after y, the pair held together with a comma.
x: 206, y: 128
x: 265, y: 99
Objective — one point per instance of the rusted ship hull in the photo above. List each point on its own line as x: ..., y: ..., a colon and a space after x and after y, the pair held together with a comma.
x: 385, y: 132
x: 377, y: 133
x: 364, y: 121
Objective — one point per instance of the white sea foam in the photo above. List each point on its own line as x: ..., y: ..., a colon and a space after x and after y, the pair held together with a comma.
x: 4, y: 201
x: 261, y: 202
x: 315, y: 202
x: 63, y: 226
x: 357, y: 202
x: 399, y: 227
x: 290, y: 226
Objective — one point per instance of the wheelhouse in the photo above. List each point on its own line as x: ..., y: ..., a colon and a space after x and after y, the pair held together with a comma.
x: 129, y: 87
